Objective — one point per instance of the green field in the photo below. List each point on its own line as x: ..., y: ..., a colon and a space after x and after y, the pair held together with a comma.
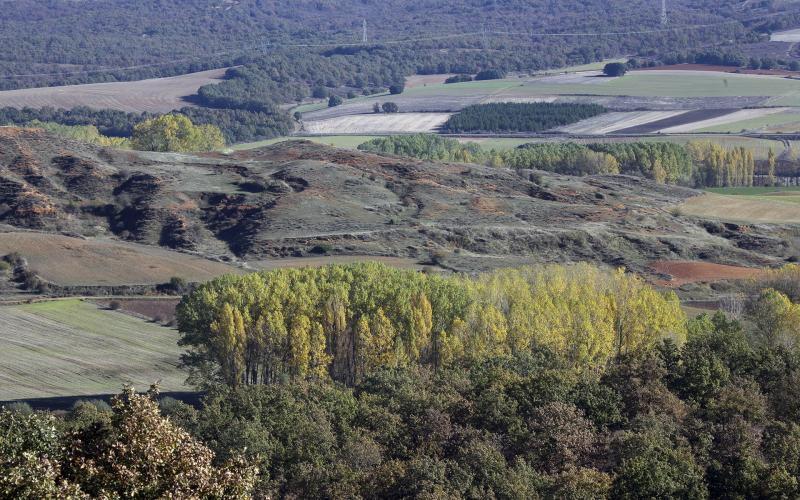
x: 776, y: 120
x: 70, y: 347
x: 785, y: 92
x: 789, y: 194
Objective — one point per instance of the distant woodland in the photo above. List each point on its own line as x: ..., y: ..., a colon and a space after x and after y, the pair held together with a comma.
x: 86, y: 42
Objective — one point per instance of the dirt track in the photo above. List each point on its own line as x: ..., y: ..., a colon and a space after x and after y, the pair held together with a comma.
x: 154, y: 95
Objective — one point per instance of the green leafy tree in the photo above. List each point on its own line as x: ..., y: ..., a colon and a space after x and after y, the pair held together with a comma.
x: 175, y: 132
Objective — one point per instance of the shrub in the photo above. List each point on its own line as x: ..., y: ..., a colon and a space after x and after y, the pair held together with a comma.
x: 115, y: 305
x: 390, y: 107
x: 334, y: 101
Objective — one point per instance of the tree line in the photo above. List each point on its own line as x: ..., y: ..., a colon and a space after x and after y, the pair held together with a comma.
x: 518, y: 117
x: 235, y: 125
x: 698, y: 163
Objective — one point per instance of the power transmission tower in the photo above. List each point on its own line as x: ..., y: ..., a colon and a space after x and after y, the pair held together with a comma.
x: 484, y: 38
x: 364, y: 34
x: 664, y: 17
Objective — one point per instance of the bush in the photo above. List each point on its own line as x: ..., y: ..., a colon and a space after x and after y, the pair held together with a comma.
x: 334, y: 101
x: 115, y: 305
x: 4, y: 266
x: 390, y: 107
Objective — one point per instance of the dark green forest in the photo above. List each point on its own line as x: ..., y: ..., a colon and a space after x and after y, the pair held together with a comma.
x: 518, y: 117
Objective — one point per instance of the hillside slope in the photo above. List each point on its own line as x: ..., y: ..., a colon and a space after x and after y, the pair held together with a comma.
x: 299, y: 199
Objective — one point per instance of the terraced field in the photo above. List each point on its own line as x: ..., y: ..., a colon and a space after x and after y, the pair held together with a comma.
x: 69, y: 347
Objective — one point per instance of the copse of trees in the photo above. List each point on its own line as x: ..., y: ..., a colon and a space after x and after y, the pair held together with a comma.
x: 615, y: 69
x: 345, y: 322
x: 717, y: 166
x: 518, y: 117
x: 175, y: 132
x: 490, y: 74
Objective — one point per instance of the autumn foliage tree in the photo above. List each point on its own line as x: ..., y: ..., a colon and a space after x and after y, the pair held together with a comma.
x: 175, y: 132
x: 345, y: 322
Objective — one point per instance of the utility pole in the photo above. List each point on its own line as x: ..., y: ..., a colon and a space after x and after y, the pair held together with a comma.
x: 664, y: 18
x: 484, y: 38
x: 364, y: 35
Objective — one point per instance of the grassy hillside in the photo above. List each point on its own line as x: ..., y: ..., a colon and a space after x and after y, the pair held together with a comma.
x: 71, y: 347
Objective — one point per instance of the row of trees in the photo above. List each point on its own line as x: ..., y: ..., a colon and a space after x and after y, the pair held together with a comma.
x: 345, y: 322
x: 518, y: 117
x: 236, y: 125
x: 698, y: 163
x: 717, y: 166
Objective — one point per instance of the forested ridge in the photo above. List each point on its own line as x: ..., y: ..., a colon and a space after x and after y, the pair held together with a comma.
x: 268, y: 42
x: 573, y: 382
x: 157, y: 38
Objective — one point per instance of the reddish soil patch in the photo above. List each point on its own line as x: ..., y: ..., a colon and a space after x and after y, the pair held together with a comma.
x: 683, y: 272
x: 159, y: 310
x: 723, y: 69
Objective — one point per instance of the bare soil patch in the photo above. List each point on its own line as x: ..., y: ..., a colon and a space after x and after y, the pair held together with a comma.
x: 423, y: 80
x: 152, y: 309
x: 676, y: 120
x: 75, y: 262
x: 683, y: 272
x: 155, y: 95
x: 378, y: 123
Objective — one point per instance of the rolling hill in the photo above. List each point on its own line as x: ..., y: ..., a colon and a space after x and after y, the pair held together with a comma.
x: 298, y: 199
